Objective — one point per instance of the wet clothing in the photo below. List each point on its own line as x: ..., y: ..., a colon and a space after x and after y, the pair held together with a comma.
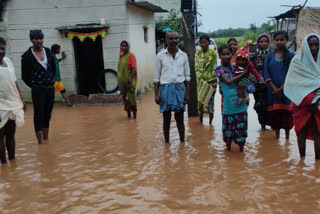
x: 43, y: 100
x: 206, y: 79
x: 302, y: 86
x: 7, y: 141
x: 261, y: 93
x: 11, y: 105
x: 59, y: 87
x: 128, y: 90
x: 276, y: 71
x: 40, y: 78
x: 303, y: 118
x: 172, y: 97
x: 234, y: 118
x: 235, y: 128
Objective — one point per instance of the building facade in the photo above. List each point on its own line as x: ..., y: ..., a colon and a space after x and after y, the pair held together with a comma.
x: 57, y: 18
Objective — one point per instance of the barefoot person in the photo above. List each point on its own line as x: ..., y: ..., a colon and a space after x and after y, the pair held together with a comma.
x: 171, y: 84
x: 205, y: 61
x: 276, y: 65
x: 11, y: 105
x: 302, y: 87
x: 58, y: 85
x: 127, y: 78
x: 38, y: 68
x: 234, y: 114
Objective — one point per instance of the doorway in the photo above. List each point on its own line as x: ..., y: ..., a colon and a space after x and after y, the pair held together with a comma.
x: 89, y: 66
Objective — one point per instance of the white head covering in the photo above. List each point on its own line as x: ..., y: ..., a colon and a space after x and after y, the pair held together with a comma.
x: 304, y: 73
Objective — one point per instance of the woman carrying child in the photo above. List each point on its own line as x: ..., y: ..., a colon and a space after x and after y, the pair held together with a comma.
x: 261, y: 93
x: 276, y: 65
x: 235, y: 117
x: 302, y: 87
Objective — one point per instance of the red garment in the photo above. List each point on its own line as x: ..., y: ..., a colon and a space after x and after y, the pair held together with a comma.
x: 252, y: 71
x: 301, y: 115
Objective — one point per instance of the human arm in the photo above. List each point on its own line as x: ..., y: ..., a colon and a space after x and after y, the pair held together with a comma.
x: 19, y: 91
x: 187, y: 80
x: 156, y: 80
x: 26, y: 71
x: 157, y: 92
x: 253, y: 71
x: 187, y: 95
x: 132, y: 64
x: 224, y: 78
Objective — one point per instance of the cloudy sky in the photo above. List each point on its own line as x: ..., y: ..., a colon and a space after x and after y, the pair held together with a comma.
x: 221, y: 14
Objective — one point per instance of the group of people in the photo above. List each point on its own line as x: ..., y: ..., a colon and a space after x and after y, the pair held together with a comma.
x: 39, y: 71
x: 286, y: 87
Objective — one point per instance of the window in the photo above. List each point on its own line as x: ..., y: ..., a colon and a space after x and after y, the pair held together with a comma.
x: 145, y: 31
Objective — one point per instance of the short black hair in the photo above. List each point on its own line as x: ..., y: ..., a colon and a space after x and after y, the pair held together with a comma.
x: 232, y: 39
x: 36, y: 34
x: 171, y: 31
x: 3, y: 41
x: 313, y: 36
x: 224, y: 46
x: 55, y: 48
x: 204, y: 36
x: 124, y: 42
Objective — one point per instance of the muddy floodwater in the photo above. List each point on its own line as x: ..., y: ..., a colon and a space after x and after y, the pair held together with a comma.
x: 97, y: 161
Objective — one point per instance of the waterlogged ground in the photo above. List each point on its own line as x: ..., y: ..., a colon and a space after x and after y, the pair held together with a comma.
x: 97, y: 161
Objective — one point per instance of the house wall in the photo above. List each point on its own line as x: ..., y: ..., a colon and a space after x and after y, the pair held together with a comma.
x: 144, y: 52
x: 23, y: 15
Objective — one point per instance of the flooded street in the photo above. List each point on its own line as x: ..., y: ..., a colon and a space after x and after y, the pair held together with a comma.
x: 98, y: 161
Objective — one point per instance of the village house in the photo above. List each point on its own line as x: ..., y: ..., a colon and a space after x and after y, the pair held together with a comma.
x: 90, y: 32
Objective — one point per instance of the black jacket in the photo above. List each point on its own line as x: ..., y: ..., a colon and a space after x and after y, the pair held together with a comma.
x: 33, y: 73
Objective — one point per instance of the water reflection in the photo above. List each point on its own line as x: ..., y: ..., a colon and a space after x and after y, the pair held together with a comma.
x: 99, y: 162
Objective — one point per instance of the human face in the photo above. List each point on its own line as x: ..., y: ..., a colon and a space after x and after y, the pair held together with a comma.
x: 172, y: 39
x: 263, y: 43
x: 280, y: 41
x: 225, y: 56
x: 234, y: 46
x: 58, y: 51
x: 204, y: 44
x: 124, y: 47
x: 37, y: 42
x: 313, y: 43
x: 2, y: 51
x: 243, y: 62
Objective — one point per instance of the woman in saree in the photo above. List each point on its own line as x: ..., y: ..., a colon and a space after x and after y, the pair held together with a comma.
x: 127, y: 78
x: 302, y: 87
x: 205, y: 62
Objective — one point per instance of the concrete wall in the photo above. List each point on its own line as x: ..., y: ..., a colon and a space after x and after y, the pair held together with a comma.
x: 167, y: 5
x: 23, y: 15
x: 144, y: 51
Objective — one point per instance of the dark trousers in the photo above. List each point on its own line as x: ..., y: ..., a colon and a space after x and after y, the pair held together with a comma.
x: 43, y: 100
x: 7, y: 140
x: 179, y: 117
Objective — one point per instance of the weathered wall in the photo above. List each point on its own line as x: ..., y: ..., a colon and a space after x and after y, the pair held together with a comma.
x: 23, y: 15
x: 144, y: 52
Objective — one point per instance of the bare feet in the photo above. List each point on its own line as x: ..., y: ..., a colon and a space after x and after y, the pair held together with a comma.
x: 287, y: 134
x: 45, y: 134
x: 39, y: 135
x: 129, y: 114
x: 241, y: 148
x: 229, y: 147
x: 277, y: 131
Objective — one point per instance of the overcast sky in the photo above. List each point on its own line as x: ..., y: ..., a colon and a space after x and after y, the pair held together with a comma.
x: 222, y: 14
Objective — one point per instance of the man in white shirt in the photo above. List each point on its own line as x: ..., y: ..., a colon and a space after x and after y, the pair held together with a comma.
x: 171, y: 84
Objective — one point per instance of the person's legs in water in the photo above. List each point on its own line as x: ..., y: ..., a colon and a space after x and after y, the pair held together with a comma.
x: 301, y: 138
x: 211, y: 108
x: 316, y: 137
x: 2, y: 146
x: 179, y: 117
x: 47, y: 112
x: 287, y: 133
x: 10, y: 141
x: 38, y: 100
x: 166, y: 125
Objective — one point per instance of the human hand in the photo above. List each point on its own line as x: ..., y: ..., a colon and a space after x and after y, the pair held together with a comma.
x: 278, y: 93
x: 63, y: 54
x: 157, y: 99
x: 186, y: 98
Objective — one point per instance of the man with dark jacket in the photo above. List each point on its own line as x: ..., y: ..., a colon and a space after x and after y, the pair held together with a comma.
x: 38, y: 69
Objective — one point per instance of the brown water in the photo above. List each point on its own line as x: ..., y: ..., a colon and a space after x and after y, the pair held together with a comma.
x: 99, y: 162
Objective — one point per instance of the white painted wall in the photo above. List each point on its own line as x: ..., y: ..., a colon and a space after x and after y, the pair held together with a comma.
x: 144, y: 52
x: 24, y: 15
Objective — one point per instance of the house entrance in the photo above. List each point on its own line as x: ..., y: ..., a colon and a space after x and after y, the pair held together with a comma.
x: 89, y: 66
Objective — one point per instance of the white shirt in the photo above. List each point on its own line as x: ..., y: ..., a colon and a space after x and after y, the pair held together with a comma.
x: 10, y: 102
x: 171, y: 70
x: 44, y: 63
